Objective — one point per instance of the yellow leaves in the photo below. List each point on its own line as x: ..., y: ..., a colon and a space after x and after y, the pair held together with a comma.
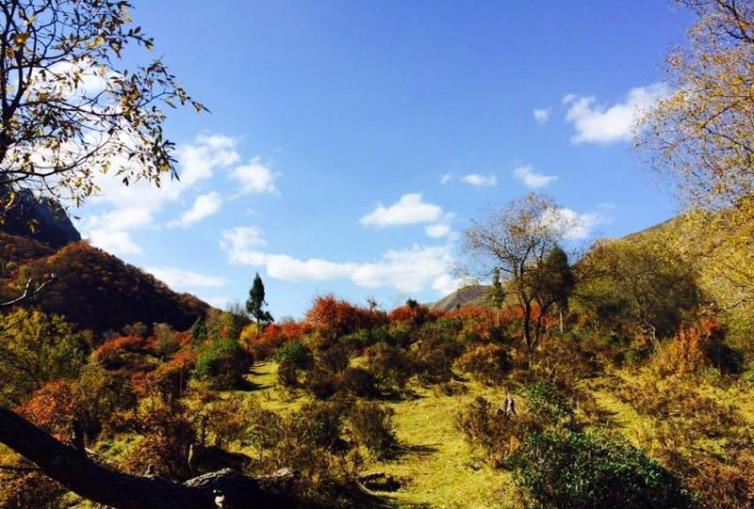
x: 97, y: 42
x: 21, y: 38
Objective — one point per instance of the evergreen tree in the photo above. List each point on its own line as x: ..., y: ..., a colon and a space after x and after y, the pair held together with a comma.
x: 199, y: 331
x: 556, y: 281
x: 497, y: 294
x: 256, y: 303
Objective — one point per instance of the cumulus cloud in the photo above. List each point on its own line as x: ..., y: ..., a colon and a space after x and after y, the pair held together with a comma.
x: 445, y: 178
x: 596, y: 123
x: 571, y: 224
x: 410, y: 209
x: 116, y: 242
x: 204, y: 206
x: 437, y: 231
x: 477, y: 180
x: 255, y: 177
x: 532, y: 178
x: 541, y: 115
x: 407, y: 271
x: 130, y: 207
x: 182, y: 280
x: 240, y: 244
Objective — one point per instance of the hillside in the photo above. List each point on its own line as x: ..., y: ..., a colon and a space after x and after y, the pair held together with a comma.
x: 472, y: 294
x: 93, y: 289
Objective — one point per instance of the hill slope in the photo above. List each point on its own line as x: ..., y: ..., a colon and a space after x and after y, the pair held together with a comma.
x: 93, y: 289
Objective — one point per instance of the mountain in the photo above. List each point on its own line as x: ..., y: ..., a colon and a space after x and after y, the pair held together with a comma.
x: 92, y: 289
x: 472, y: 294
x: 38, y: 218
x: 719, y: 245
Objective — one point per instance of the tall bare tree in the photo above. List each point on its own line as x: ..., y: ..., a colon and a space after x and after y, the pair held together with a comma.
x: 517, y: 241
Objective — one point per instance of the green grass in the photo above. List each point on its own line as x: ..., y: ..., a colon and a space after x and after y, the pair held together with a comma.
x: 435, y: 465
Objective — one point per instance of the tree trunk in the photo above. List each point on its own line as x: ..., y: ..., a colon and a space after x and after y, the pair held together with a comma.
x: 71, y: 468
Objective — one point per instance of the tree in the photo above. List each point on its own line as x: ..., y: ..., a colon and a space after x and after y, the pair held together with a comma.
x: 702, y: 135
x: 555, y: 282
x: 497, y: 294
x: 517, y: 241
x: 255, y: 304
x: 628, y: 283
x: 68, y: 111
x: 35, y: 349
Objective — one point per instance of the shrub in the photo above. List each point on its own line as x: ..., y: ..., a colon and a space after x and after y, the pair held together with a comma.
x: 491, y: 431
x: 53, y: 408
x: 164, y: 448
x: 547, y: 405
x: 690, y: 415
x: 696, y: 346
x: 292, y: 357
x: 390, y: 365
x: 372, y: 427
x: 717, y: 485
x: 486, y: 363
x: 334, y: 359
x: 327, y: 471
x: 169, y: 379
x: 35, y: 348
x: 121, y: 352
x: 166, y: 341
x: 295, y: 354
x: 222, y: 363
x: 33, y: 489
x: 359, y: 382
x: 321, y: 384
x: 415, y: 314
x: 575, y: 471
x: 434, y: 358
x: 334, y: 318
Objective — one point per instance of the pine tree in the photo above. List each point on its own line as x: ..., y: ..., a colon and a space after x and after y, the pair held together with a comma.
x: 199, y: 331
x: 256, y: 302
x: 497, y: 294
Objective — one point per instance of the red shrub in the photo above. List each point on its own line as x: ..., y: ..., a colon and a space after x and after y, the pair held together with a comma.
x: 335, y: 318
x: 126, y: 344
x: 53, y: 408
x: 264, y: 344
x: 417, y: 315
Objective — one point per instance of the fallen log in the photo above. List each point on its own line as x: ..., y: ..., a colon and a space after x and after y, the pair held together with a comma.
x: 81, y: 475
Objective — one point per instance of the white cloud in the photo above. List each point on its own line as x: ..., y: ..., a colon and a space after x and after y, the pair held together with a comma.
x: 531, y: 178
x: 135, y: 206
x: 541, y: 115
x: 182, y: 280
x: 606, y: 124
x: 407, y: 271
x: 255, y: 177
x: 218, y: 302
x: 445, y: 178
x: 410, y: 209
x: 573, y: 225
x: 437, y: 231
x: 478, y: 180
x: 204, y: 206
x: 116, y: 242
x: 240, y: 242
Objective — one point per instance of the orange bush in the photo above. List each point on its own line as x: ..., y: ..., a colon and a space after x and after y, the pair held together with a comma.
x: 334, y: 318
x: 264, y: 344
x: 124, y: 344
x: 53, y: 408
x: 418, y: 314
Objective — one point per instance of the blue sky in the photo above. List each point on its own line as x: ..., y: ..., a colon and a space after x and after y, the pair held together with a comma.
x: 349, y: 143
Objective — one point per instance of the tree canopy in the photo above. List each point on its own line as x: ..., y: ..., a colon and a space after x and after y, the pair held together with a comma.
x: 69, y: 109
